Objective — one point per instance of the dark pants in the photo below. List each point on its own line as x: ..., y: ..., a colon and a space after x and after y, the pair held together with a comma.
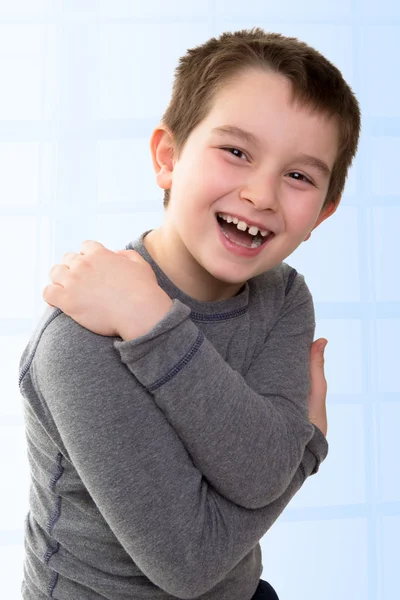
x: 265, y: 591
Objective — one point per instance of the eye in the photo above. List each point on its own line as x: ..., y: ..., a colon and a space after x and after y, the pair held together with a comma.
x: 231, y: 150
x: 298, y: 176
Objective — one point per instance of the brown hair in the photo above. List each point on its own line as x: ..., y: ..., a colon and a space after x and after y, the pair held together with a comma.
x: 316, y: 83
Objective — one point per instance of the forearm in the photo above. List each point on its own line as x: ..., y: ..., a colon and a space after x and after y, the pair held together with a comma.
x: 183, y: 534
x: 246, y: 445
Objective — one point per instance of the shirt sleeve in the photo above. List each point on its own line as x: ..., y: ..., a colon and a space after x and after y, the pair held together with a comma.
x: 182, y: 534
x: 249, y: 434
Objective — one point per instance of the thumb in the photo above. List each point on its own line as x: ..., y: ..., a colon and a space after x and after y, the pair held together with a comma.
x: 319, y: 386
x: 318, y: 352
x: 132, y: 254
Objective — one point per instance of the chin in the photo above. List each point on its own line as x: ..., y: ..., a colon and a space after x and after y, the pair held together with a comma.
x: 229, y: 276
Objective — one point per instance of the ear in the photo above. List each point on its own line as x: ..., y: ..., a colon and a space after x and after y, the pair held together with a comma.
x: 327, y: 212
x: 162, y: 154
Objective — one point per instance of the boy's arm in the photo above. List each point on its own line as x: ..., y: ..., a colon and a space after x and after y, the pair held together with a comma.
x: 249, y: 435
x: 181, y: 533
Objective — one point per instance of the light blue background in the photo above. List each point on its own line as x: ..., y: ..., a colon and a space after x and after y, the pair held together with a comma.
x: 83, y: 84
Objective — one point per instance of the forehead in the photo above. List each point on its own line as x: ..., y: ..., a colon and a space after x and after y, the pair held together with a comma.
x: 261, y: 103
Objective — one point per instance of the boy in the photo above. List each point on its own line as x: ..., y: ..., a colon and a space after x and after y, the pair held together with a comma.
x: 166, y: 396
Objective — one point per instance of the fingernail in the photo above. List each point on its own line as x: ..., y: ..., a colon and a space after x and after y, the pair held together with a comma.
x: 323, y: 346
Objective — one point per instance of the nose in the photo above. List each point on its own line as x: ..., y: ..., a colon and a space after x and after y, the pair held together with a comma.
x: 262, y: 192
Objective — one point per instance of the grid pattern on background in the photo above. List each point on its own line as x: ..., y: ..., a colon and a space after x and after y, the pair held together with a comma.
x: 84, y: 82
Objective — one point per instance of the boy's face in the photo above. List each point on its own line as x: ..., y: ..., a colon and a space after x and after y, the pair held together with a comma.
x: 270, y: 182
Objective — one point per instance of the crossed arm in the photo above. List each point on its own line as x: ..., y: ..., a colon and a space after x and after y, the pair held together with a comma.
x: 189, y: 472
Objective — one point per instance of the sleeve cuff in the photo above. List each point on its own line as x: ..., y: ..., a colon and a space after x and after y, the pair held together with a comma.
x: 168, y: 342
x: 315, y: 453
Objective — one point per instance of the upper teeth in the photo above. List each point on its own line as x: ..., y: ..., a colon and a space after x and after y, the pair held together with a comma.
x: 242, y: 225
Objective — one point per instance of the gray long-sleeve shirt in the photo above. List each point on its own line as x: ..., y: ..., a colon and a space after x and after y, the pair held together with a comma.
x: 159, y: 463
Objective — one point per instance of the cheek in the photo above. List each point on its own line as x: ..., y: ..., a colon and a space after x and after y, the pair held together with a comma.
x: 300, y: 209
x: 204, y: 180
x: 222, y: 177
x: 190, y: 177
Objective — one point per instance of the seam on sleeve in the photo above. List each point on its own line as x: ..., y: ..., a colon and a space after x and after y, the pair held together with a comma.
x: 291, y: 278
x: 179, y: 366
x: 53, y: 583
x: 27, y: 365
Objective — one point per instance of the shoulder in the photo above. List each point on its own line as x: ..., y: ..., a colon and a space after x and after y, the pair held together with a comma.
x: 60, y: 343
x: 277, y: 292
x: 283, y: 282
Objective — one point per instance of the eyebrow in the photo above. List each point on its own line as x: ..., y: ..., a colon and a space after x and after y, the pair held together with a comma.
x: 313, y: 161
x: 247, y: 136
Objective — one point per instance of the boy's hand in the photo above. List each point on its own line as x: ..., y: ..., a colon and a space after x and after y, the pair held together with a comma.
x: 109, y: 293
x: 317, y: 397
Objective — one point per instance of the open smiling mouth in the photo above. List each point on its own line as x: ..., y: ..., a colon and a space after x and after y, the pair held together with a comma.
x: 242, y: 238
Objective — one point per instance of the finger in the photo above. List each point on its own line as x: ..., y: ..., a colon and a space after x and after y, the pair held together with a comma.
x: 89, y: 246
x: 319, y: 342
x: 322, y: 344
x: 69, y: 257
x: 52, y: 295
x: 317, y: 353
x: 317, y: 372
x: 57, y: 273
x: 317, y: 368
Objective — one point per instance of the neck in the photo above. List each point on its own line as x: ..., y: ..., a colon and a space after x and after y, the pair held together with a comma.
x: 173, y: 258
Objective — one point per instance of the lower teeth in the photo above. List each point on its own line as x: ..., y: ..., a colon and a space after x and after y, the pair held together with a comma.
x: 254, y: 244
